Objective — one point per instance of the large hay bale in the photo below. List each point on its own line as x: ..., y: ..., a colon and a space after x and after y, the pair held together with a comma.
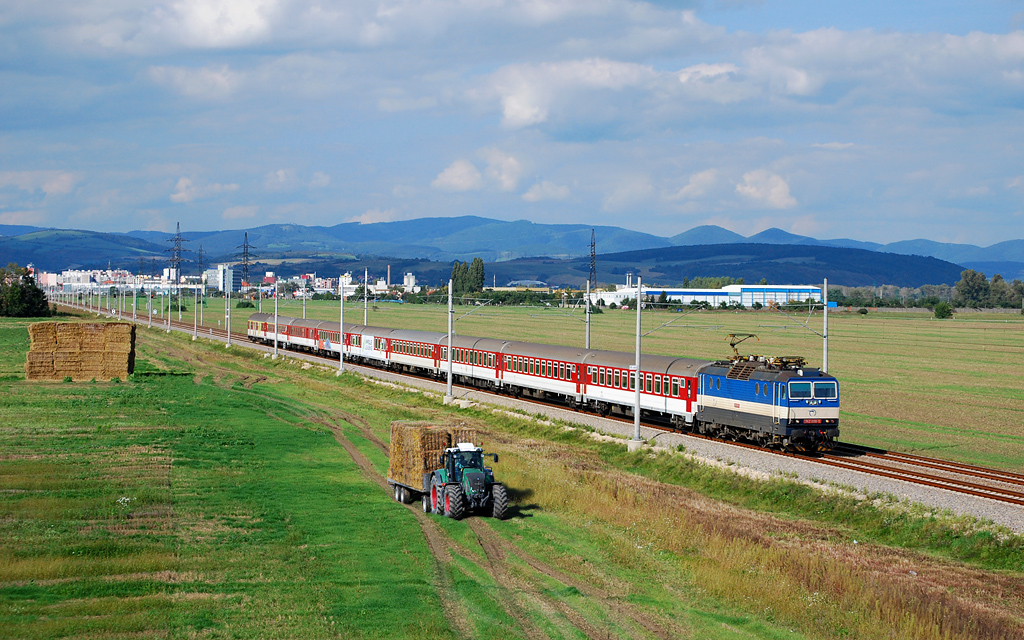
x: 69, y: 336
x: 43, y: 336
x: 80, y: 350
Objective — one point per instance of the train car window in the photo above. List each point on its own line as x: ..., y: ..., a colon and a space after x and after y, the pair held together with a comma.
x: 675, y: 387
x: 657, y: 385
x: 618, y: 379
x: 601, y: 376
x: 782, y: 392
x: 593, y: 375
x: 825, y: 390
x: 632, y: 381
x: 718, y: 384
x: 757, y: 388
x: 800, y: 390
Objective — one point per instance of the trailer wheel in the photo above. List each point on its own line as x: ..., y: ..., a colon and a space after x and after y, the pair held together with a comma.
x: 426, y: 502
x: 499, y: 502
x: 454, y: 501
x: 407, y: 496
x: 398, y: 493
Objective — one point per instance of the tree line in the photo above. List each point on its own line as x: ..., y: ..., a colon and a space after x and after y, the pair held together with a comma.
x: 973, y: 290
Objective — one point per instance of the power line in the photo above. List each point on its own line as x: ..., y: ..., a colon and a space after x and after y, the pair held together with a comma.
x: 593, y: 261
x: 246, y: 257
x: 176, y: 250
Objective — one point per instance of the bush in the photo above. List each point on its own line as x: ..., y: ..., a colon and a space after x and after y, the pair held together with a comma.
x: 245, y: 304
x: 862, y: 311
x: 943, y: 310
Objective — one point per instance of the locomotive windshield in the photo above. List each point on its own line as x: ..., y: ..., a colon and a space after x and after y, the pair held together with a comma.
x: 825, y: 390
x: 799, y: 390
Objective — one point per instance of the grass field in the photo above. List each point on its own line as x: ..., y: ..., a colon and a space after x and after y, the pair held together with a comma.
x: 950, y: 389
x: 219, y: 494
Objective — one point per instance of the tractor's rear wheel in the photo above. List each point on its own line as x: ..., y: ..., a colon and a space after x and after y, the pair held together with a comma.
x: 499, y: 502
x: 454, y: 501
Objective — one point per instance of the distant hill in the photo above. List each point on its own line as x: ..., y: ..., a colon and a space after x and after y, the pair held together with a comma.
x: 57, y: 249
x: 706, y: 234
x: 440, y: 240
x: 17, y: 229
x: 432, y: 238
x: 778, y: 264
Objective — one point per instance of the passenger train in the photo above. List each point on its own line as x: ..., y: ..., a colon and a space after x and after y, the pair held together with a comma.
x: 773, y: 402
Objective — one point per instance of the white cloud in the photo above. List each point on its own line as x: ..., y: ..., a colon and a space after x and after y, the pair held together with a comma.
x: 766, y: 188
x: 697, y: 186
x: 375, y: 215
x: 218, y: 23
x: 31, y: 218
x: 1015, y: 182
x: 236, y: 213
x: 280, y: 180
x: 320, y: 180
x: 459, y: 176
x: 546, y: 191
x: 834, y: 146
x: 528, y: 91
x: 49, y: 182
x: 186, y: 191
x: 503, y: 168
x: 629, y: 192
x: 204, y: 83
x: 703, y: 71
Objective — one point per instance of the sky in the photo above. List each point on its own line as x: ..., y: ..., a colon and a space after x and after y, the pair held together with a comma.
x: 865, y: 120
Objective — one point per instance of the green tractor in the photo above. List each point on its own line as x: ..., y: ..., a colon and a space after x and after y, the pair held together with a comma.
x: 464, y: 483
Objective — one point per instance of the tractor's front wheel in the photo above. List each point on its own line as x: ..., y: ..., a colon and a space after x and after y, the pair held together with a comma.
x: 436, y: 496
x: 499, y: 502
x: 454, y: 501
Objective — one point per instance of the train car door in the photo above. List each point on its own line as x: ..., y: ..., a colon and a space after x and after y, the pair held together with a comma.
x: 777, y: 401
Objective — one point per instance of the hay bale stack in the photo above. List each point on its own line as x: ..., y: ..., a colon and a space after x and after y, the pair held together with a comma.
x: 416, y: 448
x: 81, y: 351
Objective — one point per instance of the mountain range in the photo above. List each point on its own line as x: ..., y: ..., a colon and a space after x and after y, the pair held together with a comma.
x: 446, y: 239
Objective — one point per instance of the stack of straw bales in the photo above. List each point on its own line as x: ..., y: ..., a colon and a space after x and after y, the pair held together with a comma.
x: 416, y: 448
x: 83, y: 351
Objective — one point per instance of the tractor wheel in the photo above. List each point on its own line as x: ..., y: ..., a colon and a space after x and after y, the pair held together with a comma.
x: 426, y: 503
x: 499, y: 502
x: 436, y: 497
x: 454, y: 501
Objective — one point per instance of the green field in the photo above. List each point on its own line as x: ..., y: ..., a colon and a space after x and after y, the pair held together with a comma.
x: 220, y: 494
x: 949, y: 389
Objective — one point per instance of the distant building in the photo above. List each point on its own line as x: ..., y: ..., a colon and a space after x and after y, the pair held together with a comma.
x: 228, y: 278
x: 745, y: 294
x: 530, y: 284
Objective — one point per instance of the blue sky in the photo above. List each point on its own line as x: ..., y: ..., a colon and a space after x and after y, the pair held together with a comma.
x: 870, y: 120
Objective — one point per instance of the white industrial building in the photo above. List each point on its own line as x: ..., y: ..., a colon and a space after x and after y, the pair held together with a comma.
x: 745, y: 294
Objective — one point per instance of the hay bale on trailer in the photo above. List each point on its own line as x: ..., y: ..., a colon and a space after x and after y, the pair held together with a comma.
x: 416, y: 449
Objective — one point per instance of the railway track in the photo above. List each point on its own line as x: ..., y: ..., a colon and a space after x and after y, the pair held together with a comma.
x: 994, y: 484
